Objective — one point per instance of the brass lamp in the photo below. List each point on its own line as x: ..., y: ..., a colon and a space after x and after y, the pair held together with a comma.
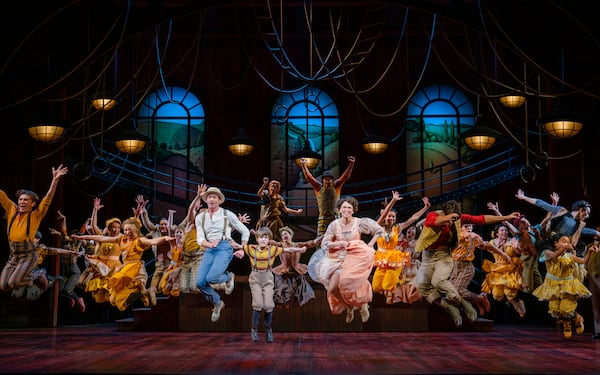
x: 131, y: 141
x: 375, y: 144
x: 512, y: 100
x: 241, y: 145
x: 46, y: 132
x: 480, y: 137
x: 562, y: 123
x: 312, y: 158
x: 103, y: 101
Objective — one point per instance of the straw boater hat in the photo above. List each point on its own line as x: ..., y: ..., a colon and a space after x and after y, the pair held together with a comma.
x: 213, y: 190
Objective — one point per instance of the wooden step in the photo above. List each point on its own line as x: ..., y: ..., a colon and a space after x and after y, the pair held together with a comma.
x: 192, y: 313
x: 125, y: 324
x: 162, y: 317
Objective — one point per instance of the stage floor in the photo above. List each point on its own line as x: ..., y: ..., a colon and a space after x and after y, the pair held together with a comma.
x: 102, y: 349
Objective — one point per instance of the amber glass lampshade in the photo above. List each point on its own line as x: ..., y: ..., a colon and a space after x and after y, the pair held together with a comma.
x: 103, y: 103
x: 562, y: 124
x: 480, y: 137
x: 312, y: 158
x: 240, y: 145
x: 375, y: 144
x: 46, y: 133
x: 512, y: 100
x: 131, y: 141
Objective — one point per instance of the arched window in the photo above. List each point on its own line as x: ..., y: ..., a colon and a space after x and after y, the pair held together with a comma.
x: 305, y: 117
x: 174, y: 120
x: 436, y: 116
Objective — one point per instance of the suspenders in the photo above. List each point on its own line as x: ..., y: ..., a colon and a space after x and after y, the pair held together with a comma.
x: 224, y: 222
x: 13, y: 220
x: 268, y: 259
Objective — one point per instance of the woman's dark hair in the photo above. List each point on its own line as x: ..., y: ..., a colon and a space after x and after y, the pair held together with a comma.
x: 576, y: 206
x: 350, y: 200
x: 556, y: 237
x: 451, y: 207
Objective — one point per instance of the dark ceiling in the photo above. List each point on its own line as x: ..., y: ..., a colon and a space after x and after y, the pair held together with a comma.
x: 56, y: 50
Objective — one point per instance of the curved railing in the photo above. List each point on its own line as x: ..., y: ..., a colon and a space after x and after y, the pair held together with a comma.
x: 439, y: 183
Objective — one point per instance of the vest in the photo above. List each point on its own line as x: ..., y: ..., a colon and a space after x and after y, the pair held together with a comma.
x: 430, y: 234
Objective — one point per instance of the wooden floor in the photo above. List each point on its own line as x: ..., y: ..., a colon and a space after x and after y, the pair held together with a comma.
x: 103, y: 349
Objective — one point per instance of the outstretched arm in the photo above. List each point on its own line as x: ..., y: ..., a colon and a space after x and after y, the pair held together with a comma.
x: 141, y: 205
x: 395, y: 198
x: 493, y: 219
x: 294, y: 249
x: 194, y: 207
x: 151, y: 227
x: 556, y: 210
x: 57, y: 173
x: 261, y: 189
x: 521, y: 196
x: 62, y: 220
x: 288, y: 210
x: 545, y: 224
x: 97, y: 206
x: 346, y: 175
x: 495, y: 208
x: 95, y: 237
x: 309, y: 177
x: 416, y: 215
x: 492, y: 249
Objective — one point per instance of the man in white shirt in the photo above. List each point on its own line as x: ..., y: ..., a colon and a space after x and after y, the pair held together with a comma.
x: 213, y: 227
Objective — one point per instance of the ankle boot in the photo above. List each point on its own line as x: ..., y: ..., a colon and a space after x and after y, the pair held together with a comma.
x: 519, y: 306
x: 268, y: 322
x: 453, y: 311
x: 567, y: 330
x: 469, y: 310
x: 349, y: 315
x: 254, y: 323
x: 254, y: 334
x: 579, y: 327
x: 152, y: 295
x: 269, y: 335
x: 364, y: 312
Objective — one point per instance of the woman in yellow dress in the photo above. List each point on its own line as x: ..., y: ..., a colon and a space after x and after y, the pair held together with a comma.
x: 106, y: 257
x: 128, y: 282
x: 503, y: 279
x: 169, y: 283
x: 560, y: 287
x: 391, y: 258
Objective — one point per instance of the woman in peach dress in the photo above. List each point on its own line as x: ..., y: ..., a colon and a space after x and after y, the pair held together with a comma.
x: 347, y: 261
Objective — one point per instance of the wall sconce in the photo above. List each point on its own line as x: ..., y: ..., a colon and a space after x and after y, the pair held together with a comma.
x: 375, y: 144
x: 480, y: 137
x: 130, y: 141
x: 103, y: 101
x: 46, y: 133
x: 562, y: 123
x: 241, y: 145
x: 312, y: 158
x: 512, y: 100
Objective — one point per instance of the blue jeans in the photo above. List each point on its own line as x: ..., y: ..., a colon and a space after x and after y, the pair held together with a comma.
x: 213, y: 270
